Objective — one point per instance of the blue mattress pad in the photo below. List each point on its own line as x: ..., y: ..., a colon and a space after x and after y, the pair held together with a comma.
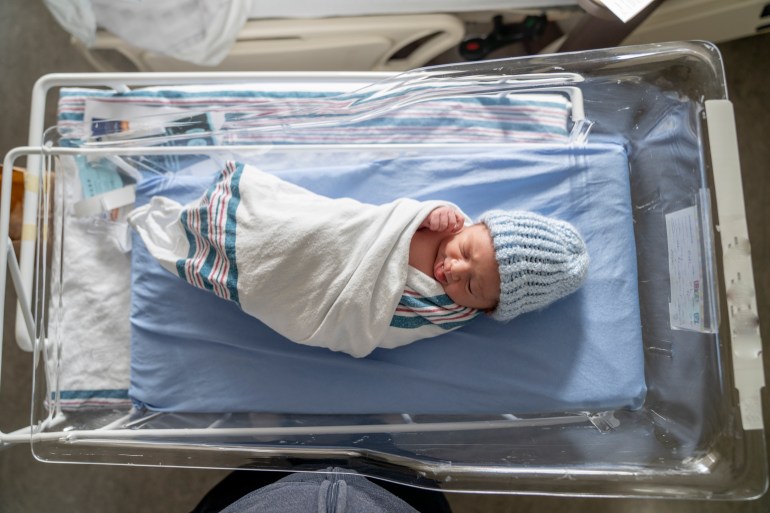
x: 194, y: 352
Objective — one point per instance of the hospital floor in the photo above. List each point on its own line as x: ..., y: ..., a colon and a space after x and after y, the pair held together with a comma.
x: 31, y: 45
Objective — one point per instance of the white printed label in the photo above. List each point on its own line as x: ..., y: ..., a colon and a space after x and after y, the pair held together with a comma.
x: 626, y: 9
x: 684, y: 267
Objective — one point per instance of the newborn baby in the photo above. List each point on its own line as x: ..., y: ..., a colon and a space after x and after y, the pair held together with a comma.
x: 507, y: 264
x: 351, y: 276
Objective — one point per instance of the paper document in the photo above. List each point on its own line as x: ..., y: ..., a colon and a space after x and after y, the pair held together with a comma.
x: 684, y: 267
x: 626, y: 9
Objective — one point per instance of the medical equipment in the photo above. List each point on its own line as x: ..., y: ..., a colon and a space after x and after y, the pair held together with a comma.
x: 691, y: 438
x: 388, y: 35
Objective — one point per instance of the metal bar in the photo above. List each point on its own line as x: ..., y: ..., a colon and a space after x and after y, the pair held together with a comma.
x: 430, y: 427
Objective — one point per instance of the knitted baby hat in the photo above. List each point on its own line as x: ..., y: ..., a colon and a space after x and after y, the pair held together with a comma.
x: 540, y: 260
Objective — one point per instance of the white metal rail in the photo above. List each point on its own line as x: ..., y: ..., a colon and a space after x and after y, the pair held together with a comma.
x: 22, y: 272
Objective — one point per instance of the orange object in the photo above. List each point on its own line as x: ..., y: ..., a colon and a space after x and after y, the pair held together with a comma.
x: 17, y: 203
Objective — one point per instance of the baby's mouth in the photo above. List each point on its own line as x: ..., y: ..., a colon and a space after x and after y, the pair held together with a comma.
x: 438, y: 272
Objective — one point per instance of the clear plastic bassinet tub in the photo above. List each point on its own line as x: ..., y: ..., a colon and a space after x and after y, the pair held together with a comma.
x: 698, y: 432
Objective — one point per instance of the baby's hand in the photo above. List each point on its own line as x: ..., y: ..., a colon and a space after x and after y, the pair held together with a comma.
x: 444, y: 218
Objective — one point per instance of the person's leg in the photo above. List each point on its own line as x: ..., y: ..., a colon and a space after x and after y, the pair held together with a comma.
x: 237, y: 484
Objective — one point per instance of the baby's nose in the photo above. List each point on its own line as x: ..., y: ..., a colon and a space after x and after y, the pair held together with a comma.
x: 459, y: 269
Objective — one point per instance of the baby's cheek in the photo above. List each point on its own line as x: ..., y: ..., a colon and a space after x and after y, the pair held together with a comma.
x: 451, y: 291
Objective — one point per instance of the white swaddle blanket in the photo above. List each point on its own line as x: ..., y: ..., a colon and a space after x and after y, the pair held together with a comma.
x: 319, y: 271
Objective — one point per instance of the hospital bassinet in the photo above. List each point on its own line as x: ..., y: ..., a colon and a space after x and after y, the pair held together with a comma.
x: 699, y: 432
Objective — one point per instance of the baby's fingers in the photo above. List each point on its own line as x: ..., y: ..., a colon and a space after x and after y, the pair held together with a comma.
x: 443, y: 219
x: 440, y: 220
x: 459, y: 221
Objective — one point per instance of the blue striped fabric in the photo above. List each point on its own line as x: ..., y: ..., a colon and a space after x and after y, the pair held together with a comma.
x: 92, y: 399
x: 499, y: 118
x: 415, y: 311
x: 210, y: 228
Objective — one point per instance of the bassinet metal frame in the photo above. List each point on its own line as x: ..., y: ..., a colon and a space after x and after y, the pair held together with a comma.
x: 22, y: 269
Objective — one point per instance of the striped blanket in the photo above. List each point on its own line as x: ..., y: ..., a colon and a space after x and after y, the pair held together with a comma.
x: 425, y: 311
x: 243, y: 116
x: 320, y: 271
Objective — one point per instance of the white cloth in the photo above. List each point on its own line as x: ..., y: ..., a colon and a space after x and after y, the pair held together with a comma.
x: 93, y: 265
x: 76, y: 17
x: 197, y: 31
x: 322, y: 272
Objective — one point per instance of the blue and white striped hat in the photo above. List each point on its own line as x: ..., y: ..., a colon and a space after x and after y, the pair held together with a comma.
x: 540, y: 260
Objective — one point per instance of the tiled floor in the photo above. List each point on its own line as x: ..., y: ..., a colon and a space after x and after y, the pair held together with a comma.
x: 32, y: 44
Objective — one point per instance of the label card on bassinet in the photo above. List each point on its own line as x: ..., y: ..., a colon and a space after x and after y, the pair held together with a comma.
x: 684, y: 267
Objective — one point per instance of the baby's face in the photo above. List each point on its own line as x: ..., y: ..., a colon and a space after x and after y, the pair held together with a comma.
x: 467, y: 269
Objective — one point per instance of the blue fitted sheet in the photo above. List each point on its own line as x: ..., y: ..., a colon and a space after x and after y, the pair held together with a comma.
x: 194, y: 352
